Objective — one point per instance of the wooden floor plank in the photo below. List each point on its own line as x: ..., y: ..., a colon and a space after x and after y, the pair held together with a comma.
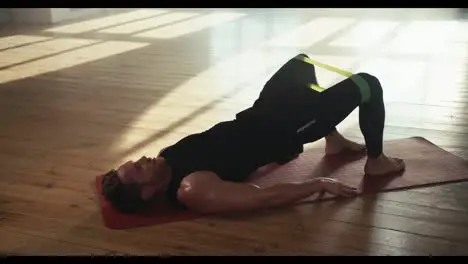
x: 26, y: 245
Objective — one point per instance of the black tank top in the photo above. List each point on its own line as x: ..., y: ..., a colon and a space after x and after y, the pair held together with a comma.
x: 231, y: 149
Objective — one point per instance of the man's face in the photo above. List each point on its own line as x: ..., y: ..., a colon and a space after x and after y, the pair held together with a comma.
x: 148, y: 172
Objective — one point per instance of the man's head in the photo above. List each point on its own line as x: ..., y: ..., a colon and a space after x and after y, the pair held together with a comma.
x: 135, y: 185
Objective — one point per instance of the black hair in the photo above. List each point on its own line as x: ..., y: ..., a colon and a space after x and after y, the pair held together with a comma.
x: 125, y: 198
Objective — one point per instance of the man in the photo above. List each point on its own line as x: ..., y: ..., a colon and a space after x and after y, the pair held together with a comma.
x: 205, y: 172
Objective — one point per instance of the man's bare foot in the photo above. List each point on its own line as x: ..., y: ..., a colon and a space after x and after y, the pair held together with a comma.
x: 336, y: 144
x: 383, y: 165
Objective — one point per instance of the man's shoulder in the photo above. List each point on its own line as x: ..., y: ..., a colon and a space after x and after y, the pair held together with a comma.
x: 180, y: 176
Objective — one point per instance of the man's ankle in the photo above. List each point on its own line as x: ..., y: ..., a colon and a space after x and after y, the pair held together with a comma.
x: 332, y: 135
x: 375, y: 157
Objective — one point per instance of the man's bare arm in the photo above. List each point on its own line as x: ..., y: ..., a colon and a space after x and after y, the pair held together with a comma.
x: 205, y: 192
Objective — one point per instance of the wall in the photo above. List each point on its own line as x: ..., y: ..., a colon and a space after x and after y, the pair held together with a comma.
x: 63, y: 14
x: 30, y: 15
x: 4, y: 15
x: 49, y: 15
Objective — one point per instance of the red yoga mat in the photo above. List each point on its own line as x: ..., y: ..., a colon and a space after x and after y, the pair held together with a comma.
x: 426, y: 164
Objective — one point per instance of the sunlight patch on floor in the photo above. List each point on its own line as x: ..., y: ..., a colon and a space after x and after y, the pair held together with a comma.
x: 455, y: 50
x: 190, y: 26
x: 17, y: 40
x: 447, y: 72
x: 446, y: 80
x: 365, y: 34
x: 310, y: 33
x: 69, y: 59
x: 400, y: 78
x: 99, y: 23
x: 223, y: 110
x: 148, y: 23
x: 425, y: 37
x: 462, y: 35
x: 436, y: 75
x: 38, y: 50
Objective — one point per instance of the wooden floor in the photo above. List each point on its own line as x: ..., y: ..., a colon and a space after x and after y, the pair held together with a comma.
x: 80, y: 98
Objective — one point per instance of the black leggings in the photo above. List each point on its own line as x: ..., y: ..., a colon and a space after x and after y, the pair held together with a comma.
x: 313, y: 115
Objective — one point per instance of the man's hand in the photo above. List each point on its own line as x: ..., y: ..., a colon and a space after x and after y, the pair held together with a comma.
x: 337, y: 187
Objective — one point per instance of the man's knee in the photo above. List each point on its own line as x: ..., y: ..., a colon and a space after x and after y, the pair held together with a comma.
x: 372, y: 83
x: 301, y: 56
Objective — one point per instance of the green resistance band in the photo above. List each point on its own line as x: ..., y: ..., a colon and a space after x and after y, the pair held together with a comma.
x: 358, y: 80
